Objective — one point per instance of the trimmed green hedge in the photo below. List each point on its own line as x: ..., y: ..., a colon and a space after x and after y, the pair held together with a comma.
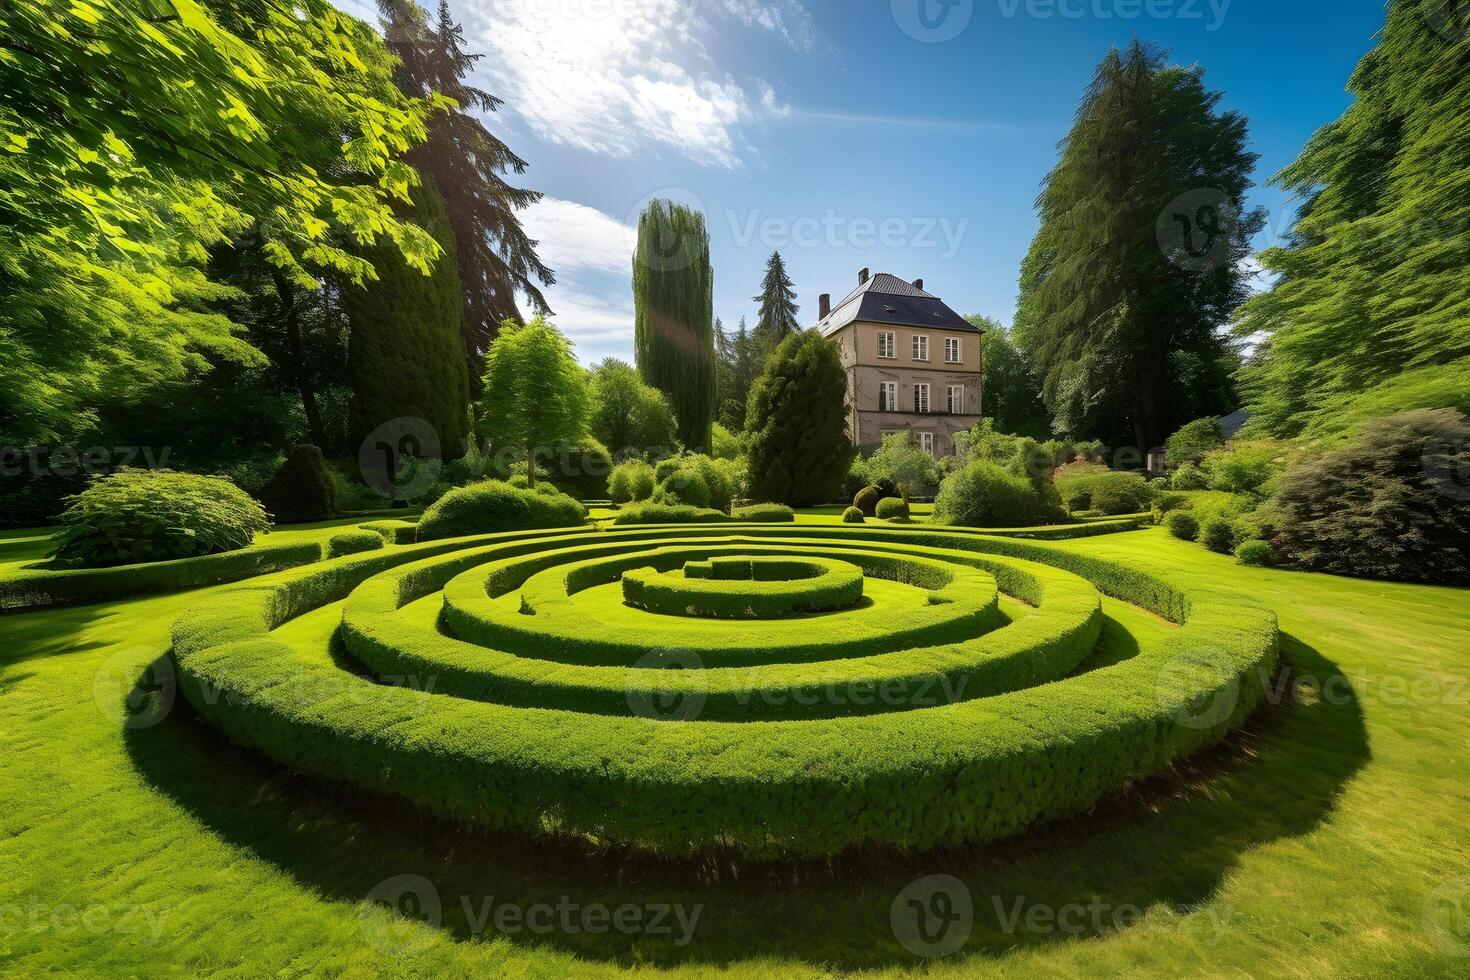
x: 764, y: 514
x: 491, y: 506
x: 394, y: 532
x: 670, y: 514
x: 919, y: 779
x: 353, y: 542
x: 746, y: 588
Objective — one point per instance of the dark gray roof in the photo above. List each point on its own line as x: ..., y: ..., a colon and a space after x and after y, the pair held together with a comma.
x: 886, y: 298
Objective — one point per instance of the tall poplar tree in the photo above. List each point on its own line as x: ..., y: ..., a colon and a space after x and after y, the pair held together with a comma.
x: 673, y: 327
x: 777, y: 318
x: 467, y: 163
x: 1138, y: 264
x: 1370, y: 313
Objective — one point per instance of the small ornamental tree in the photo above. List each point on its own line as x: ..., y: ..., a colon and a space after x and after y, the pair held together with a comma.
x: 301, y: 490
x: 799, y: 451
x: 903, y: 461
x: 629, y: 414
x: 1192, y: 441
x: 536, y: 394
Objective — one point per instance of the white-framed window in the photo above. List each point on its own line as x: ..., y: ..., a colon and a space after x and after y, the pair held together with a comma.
x: 921, y: 347
x: 956, y: 399
x: 888, y: 396
x: 886, y: 344
x: 921, y: 397
x: 926, y: 442
x: 952, y: 350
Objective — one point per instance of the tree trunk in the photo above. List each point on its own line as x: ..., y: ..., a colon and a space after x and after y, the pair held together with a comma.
x: 1146, y: 407
x: 297, y: 371
x: 531, y: 466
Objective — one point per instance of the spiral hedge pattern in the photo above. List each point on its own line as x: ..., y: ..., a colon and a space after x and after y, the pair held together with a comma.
x: 504, y: 680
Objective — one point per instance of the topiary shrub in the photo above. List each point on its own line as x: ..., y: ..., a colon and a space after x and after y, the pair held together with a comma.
x: 302, y: 489
x: 764, y: 514
x: 580, y: 471
x: 1393, y: 503
x: 394, y: 532
x: 656, y: 513
x: 867, y: 500
x: 1189, y: 477
x: 1166, y: 503
x: 353, y: 542
x: 1121, y: 493
x: 630, y: 482
x: 893, y: 509
x: 853, y: 515
x: 155, y: 515
x: 683, y: 487
x: 983, y: 494
x: 1182, y: 524
x: 492, y: 506
x: 1189, y: 445
x: 1256, y: 553
x: 1245, y: 467
x: 1218, y: 534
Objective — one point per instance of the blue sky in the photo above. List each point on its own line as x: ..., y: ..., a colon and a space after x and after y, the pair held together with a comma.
x: 909, y: 136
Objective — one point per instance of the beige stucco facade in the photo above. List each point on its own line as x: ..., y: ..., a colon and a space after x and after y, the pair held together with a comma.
x: 874, y: 412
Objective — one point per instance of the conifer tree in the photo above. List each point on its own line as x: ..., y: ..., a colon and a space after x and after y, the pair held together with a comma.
x: 777, y: 318
x: 799, y: 451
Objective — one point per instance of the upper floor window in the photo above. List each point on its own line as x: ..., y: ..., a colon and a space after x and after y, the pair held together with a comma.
x: 952, y: 350
x: 926, y: 442
x: 921, y: 398
x: 888, y: 396
x: 886, y: 344
x: 921, y: 347
x: 956, y: 399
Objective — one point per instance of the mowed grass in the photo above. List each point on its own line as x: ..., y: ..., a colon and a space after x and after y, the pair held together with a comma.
x: 1328, y: 839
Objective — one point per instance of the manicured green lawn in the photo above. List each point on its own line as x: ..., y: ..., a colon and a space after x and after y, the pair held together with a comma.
x: 1308, y: 846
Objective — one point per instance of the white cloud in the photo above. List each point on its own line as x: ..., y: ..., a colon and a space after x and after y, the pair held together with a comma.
x: 592, y: 254
x: 610, y: 75
x: 573, y: 237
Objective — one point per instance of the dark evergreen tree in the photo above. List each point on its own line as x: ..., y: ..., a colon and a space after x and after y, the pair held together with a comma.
x: 302, y: 490
x: 406, y: 358
x: 777, y: 318
x: 799, y: 451
x: 1012, y: 393
x: 1370, y: 313
x: 467, y: 163
x: 1139, y: 257
x: 673, y: 330
x: 739, y: 358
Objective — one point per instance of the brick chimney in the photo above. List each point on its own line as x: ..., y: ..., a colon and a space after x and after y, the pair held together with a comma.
x: 862, y: 277
x: 918, y: 284
x: 824, y: 305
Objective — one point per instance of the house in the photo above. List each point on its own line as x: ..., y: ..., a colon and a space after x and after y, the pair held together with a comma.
x: 912, y: 362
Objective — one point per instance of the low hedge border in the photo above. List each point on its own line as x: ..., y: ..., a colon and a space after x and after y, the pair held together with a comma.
x: 353, y: 542
x: 958, y: 774
x: 394, y: 532
x: 770, y: 588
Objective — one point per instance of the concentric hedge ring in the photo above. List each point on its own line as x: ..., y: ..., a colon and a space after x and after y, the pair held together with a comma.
x: 746, y: 587
x: 512, y: 739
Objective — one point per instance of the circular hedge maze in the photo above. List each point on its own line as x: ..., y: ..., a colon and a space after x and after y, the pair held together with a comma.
x: 776, y: 689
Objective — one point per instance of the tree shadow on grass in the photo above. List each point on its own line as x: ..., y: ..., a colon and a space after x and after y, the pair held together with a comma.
x: 1161, y: 846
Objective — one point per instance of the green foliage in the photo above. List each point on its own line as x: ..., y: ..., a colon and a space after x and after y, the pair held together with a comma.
x: 631, y: 481
x: 406, y: 354
x: 764, y: 514
x: 723, y: 443
x: 393, y: 532
x: 739, y: 357
x: 1392, y: 503
x: 1218, y: 534
x: 853, y: 515
x: 137, y: 516
x: 984, y: 495
x: 1121, y: 493
x: 1189, y: 477
x: 1245, y: 467
x: 799, y: 451
x: 1166, y: 503
x: 133, y: 144
x: 697, y: 480
x: 900, y: 460
x: 1120, y: 307
x: 673, y: 315
x: 580, y: 471
x: 1012, y: 391
x: 536, y: 395
x: 777, y: 299
x: 1255, y: 553
x: 1368, y: 313
x: 353, y: 542
x: 746, y: 588
x: 657, y: 513
x: 893, y: 509
x: 491, y: 506
x: 628, y: 415
x: 1192, y: 441
x: 1182, y: 524
x: 867, y: 499
x: 302, y: 490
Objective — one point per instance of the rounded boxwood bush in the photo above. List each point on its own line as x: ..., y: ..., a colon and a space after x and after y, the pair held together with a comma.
x: 1218, y: 534
x: 491, y: 506
x: 764, y: 514
x: 893, y: 509
x: 853, y: 515
x: 354, y: 542
x: 631, y: 481
x: 985, y: 495
x: 867, y: 499
x: 156, y: 515
x: 1079, y: 498
x: 1182, y: 524
x: 1121, y: 493
x: 1189, y: 477
x: 302, y: 490
x: 1256, y: 553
